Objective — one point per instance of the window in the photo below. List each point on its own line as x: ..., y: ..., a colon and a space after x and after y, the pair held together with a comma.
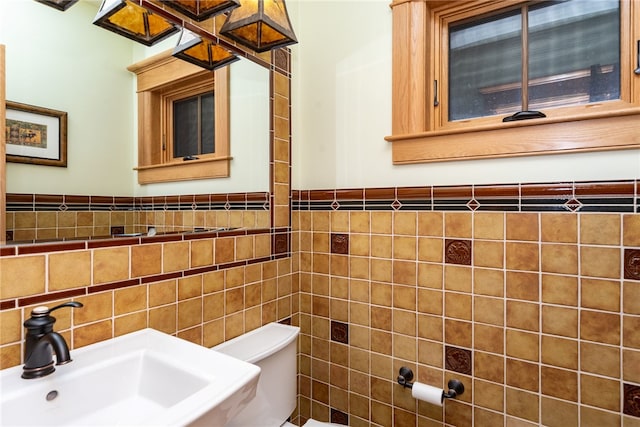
x: 535, y: 57
x: 193, y: 126
x: 480, y: 62
x: 183, y: 120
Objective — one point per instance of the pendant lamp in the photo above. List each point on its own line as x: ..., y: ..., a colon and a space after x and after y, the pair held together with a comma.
x: 202, y: 52
x: 59, y: 4
x: 201, y: 9
x: 135, y: 22
x: 260, y: 25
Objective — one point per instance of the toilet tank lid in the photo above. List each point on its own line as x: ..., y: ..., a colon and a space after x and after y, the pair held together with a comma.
x: 259, y: 343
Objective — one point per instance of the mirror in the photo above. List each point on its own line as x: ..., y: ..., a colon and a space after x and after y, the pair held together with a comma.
x: 61, y: 61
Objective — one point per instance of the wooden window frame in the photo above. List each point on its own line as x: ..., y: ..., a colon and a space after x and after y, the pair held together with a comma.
x: 159, y: 79
x: 419, y: 133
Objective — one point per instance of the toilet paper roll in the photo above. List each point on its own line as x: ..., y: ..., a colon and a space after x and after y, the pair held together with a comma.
x: 427, y: 393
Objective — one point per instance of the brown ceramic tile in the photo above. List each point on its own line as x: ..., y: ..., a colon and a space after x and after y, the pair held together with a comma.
x: 600, y: 262
x: 600, y: 294
x: 22, y: 276
x: 458, y: 224
x: 631, y: 365
x: 562, y: 290
x: 522, y: 256
x: 560, y: 321
x: 522, y: 404
x: 523, y: 375
x: 523, y: 315
x: 600, y: 229
x: 600, y: 359
x: 92, y: 333
x: 558, y: 413
x: 523, y: 345
x: 488, y: 254
x: 69, y: 270
x: 523, y: 286
x: 600, y: 327
x: 592, y: 417
x: 631, y: 297
x: 631, y: 230
x: 559, y: 258
x: 600, y: 392
x: 631, y: 326
x: 560, y: 352
x: 521, y: 226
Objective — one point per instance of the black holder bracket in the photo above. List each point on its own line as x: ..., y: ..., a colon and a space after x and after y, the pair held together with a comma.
x: 456, y: 388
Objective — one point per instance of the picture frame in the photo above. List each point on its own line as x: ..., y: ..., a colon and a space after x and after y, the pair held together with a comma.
x: 36, y: 135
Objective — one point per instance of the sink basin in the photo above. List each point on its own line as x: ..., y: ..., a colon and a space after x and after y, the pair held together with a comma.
x: 143, y: 378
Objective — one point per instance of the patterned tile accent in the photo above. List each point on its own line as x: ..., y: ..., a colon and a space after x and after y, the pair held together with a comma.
x: 458, y: 360
x: 632, y: 264
x: 457, y: 252
x: 339, y: 417
x: 339, y: 332
x: 631, y: 400
x: 340, y: 244
x: 280, y: 243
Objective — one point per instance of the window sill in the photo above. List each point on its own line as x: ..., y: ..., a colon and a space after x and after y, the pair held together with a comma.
x: 600, y: 131
x: 218, y: 167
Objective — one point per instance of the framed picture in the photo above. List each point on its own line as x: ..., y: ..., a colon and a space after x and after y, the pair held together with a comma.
x: 36, y: 135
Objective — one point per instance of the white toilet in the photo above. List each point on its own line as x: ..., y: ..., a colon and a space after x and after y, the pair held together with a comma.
x: 273, y: 348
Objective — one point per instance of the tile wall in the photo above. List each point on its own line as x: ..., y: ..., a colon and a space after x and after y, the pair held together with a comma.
x: 41, y: 217
x: 528, y: 294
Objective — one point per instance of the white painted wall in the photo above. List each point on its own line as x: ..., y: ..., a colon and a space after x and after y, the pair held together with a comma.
x: 342, y: 111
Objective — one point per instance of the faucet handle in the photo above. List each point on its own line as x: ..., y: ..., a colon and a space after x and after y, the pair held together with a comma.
x: 43, y: 310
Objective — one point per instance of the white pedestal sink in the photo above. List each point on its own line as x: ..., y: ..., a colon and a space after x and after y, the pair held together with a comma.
x: 146, y: 378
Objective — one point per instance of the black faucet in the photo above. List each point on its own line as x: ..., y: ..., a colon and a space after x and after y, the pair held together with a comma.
x: 40, y: 340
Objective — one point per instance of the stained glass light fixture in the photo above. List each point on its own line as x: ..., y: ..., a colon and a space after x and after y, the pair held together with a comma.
x: 135, y: 22
x: 202, y: 52
x: 59, y: 4
x: 260, y: 25
x: 201, y: 9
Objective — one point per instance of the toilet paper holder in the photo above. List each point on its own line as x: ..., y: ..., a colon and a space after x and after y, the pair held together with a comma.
x: 456, y: 387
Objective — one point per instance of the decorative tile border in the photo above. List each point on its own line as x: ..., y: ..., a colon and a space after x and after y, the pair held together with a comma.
x: 16, y: 202
x: 596, y: 196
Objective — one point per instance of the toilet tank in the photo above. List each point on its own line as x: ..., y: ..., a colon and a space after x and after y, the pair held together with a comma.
x: 273, y: 348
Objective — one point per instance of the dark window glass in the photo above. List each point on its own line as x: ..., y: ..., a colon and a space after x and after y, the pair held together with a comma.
x: 572, y: 58
x: 193, y: 126
x: 207, y: 135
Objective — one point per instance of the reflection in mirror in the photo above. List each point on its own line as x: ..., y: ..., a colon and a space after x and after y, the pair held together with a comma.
x: 59, y: 60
